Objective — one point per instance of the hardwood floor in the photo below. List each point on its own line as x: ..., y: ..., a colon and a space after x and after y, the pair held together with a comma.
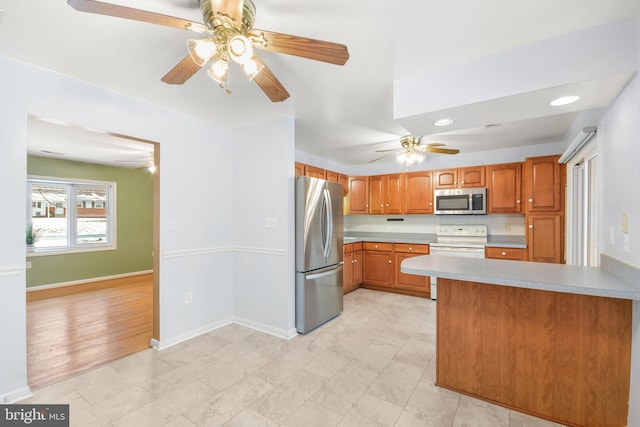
x: 75, y: 328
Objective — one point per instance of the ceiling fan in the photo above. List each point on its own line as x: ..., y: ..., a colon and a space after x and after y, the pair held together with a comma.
x: 229, y: 37
x: 411, y: 152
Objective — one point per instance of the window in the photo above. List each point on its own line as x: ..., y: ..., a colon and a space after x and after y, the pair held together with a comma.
x: 71, y: 215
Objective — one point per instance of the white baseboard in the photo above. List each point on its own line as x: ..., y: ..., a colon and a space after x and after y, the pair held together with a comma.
x: 163, y: 344
x: 267, y: 329
x: 16, y: 395
x: 90, y: 280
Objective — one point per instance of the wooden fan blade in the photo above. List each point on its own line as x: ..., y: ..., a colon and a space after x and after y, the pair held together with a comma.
x: 440, y: 150
x: 118, y: 11
x: 181, y: 72
x: 231, y: 8
x: 270, y: 85
x: 383, y: 157
x: 318, y: 50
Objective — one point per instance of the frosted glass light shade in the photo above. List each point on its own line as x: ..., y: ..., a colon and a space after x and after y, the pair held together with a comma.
x: 201, y: 51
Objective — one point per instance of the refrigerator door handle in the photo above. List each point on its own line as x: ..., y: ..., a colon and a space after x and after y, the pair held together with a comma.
x: 329, y: 223
x: 323, y: 274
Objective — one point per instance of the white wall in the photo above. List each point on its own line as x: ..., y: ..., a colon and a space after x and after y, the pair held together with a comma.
x: 195, y: 174
x: 263, y: 186
x: 619, y: 152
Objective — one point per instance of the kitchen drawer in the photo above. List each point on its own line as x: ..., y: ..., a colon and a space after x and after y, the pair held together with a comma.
x: 376, y: 246
x: 348, y: 247
x: 357, y: 246
x: 517, y: 254
x: 416, y: 249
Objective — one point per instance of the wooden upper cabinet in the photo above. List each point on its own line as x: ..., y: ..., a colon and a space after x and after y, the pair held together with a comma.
x: 418, y: 193
x: 473, y: 176
x: 376, y: 194
x: 394, y: 194
x: 446, y: 178
x: 331, y: 176
x: 298, y: 169
x: 315, y: 172
x: 504, y: 188
x: 543, y: 184
x: 344, y: 180
x: 358, y: 195
x: 386, y: 193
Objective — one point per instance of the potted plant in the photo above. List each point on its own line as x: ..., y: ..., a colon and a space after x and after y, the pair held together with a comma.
x: 33, y: 234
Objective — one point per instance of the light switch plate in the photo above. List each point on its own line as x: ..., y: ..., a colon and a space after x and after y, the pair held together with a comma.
x: 625, y: 222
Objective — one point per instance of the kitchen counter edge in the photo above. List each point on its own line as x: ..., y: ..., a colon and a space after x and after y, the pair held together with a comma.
x: 572, y: 279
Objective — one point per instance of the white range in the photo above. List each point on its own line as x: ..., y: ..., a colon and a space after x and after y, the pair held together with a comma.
x: 465, y: 241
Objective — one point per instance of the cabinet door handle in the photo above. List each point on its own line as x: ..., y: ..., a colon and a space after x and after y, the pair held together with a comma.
x: 530, y: 225
x: 410, y: 248
x: 430, y: 204
x: 389, y: 261
x: 461, y: 182
x: 530, y: 200
x: 376, y: 246
x: 504, y: 253
x: 517, y: 201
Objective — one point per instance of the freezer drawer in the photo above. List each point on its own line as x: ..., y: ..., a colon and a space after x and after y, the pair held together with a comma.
x: 318, y: 297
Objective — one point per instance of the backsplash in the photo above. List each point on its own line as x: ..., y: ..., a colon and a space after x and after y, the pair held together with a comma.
x: 504, y: 225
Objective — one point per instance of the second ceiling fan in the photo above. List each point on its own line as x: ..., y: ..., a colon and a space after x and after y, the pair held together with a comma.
x: 228, y: 37
x: 411, y: 152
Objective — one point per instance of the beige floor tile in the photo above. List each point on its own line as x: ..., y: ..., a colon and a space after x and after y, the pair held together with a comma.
x: 429, y: 406
x: 477, y: 413
x: 327, y: 364
x: 376, y: 356
x: 167, y: 408
x: 228, y: 403
x: 178, y: 422
x: 312, y: 415
x: 371, y: 411
x: 517, y: 419
x: 111, y: 409
x: 341, y: 392
x: 250, y: 418
x: 396, y: 382
x: 280, y: 402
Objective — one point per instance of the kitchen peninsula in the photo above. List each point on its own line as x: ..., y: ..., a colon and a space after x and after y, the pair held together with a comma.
x: 551, y: 340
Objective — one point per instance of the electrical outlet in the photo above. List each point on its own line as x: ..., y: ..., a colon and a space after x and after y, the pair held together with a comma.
x: 270, y: 222
x: 28, y: 265
x: 188, y: 298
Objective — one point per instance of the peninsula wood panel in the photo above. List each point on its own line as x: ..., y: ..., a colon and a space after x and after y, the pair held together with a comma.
x: 559, y: 356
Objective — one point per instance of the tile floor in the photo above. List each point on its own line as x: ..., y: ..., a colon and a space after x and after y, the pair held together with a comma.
x: 374, y: 365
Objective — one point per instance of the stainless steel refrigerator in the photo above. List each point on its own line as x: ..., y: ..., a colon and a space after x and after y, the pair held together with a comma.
x: 319, y: 240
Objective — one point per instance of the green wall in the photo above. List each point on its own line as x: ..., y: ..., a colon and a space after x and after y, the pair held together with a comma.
x: 134, y: 225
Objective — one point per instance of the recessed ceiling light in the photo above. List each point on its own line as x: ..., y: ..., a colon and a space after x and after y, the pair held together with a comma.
x: 443, y: 122
x: 564, y: 100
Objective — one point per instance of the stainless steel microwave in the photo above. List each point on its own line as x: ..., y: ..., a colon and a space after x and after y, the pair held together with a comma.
x: 461, y: 201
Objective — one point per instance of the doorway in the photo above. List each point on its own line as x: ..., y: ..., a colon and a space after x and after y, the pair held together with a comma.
x: 106, y: 287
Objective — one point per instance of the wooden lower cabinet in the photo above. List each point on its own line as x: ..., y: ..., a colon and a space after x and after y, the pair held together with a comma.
x: 382, y: 263
x: 410, y: 282
x: 378, y: 264
x: 545, y: 238
x: 514, y: 254
x: 352, y: 268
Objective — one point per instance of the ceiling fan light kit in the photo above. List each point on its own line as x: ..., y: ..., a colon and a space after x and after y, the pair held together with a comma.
x: 228, y: 25
x: 412, y: 150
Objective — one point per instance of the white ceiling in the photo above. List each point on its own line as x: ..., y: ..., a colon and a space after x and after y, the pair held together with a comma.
x: 342, y: 114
